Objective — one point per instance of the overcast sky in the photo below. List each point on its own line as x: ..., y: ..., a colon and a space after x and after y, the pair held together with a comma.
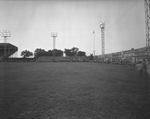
x: 32, y: 21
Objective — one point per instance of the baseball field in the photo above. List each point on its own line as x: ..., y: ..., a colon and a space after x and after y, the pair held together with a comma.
x: 72, y: 90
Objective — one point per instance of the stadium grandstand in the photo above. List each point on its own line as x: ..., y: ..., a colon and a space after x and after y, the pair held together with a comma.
x: 126, y: 57
x: 7, y: 50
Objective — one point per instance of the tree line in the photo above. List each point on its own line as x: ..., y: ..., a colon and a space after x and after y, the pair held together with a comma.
x: 56, y: 52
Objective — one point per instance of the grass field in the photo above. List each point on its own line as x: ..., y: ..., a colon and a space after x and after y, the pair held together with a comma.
x: 72, y: 91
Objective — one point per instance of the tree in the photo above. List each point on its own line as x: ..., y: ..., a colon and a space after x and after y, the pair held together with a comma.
x: 74, y: 51
x: 67, y: 52
x: 40, y: 52
x: 50, y: 53
x: 71, y: 52
x: 26, y: 53
x: 91, y: 57
x: 81, y: 53
x: 57, y: 52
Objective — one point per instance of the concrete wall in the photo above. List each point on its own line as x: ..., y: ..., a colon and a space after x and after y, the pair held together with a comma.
x: 133, y: 55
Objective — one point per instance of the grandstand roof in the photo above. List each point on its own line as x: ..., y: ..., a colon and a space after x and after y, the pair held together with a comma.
x: 2, y: 45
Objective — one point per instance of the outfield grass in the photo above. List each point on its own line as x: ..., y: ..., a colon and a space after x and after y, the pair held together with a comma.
x: 73, y: 91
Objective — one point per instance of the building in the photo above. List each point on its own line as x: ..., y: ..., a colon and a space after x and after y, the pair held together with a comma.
x: 6, y: 50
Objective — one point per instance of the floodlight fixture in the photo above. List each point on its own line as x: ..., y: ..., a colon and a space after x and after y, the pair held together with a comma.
x: 102, y: 24
x: 5, y: 33
x: 54, y: 34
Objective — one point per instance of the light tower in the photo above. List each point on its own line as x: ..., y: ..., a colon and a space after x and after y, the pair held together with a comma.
x: 54, y: 35
x: 102, y: 26
x: 147, y: 21
x: 5, y: 34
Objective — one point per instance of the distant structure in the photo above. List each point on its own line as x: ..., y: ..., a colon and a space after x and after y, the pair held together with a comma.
x: 102, y: 26
x: 94, y: 43
x: 5, y: 34
x: 54, y: 35
x: 147, y: 21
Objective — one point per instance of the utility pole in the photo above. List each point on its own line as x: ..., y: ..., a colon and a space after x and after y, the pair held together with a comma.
x: 54, y: 35
x: 94, y: 43
x: 147, y: 21
x: 102, y: 26
x: 5, y: 34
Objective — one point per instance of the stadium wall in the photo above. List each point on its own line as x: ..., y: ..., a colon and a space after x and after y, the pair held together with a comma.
x: 127, y: 56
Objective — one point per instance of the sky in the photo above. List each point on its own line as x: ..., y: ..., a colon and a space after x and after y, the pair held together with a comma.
x: 31, y: 23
